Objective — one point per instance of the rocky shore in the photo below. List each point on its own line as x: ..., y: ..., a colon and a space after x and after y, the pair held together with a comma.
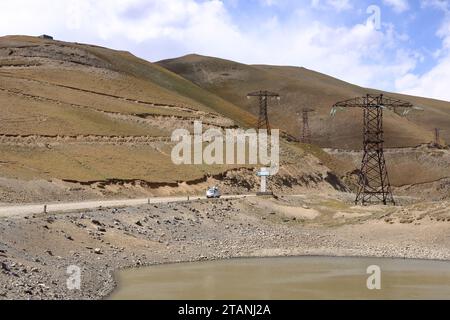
x: 36, y: 251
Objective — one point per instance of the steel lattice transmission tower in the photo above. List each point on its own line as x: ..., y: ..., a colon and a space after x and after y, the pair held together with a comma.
x: 264, y: 96
x: 437, y: 136
x: 306, y: 131
x: 374, y: 184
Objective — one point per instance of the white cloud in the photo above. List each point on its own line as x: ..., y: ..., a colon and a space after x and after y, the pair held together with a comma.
x: 268, y: 3
x: 438, y: 4
x: 163, y: 29
x: 398, y: 5
x: 338, y: 5
x: 433, y: 83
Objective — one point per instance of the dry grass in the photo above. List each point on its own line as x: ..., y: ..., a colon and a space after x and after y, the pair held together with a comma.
x: 97, y: 163
x: 28, y: 116
x: 52, y: 88
x: 301, y: 88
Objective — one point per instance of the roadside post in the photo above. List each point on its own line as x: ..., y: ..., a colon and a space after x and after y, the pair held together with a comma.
x: 264, y: 173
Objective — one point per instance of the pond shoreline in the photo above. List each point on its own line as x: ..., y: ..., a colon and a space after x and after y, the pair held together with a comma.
x: 36, y: 251
x: 284, y: 268
x: 356, y: 256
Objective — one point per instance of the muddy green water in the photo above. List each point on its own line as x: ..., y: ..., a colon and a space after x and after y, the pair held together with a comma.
x: 286, y: 278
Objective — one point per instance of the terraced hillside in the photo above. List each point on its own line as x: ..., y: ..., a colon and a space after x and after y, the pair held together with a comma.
x: 99, y: 121
x: 301, y: 88
x: 422, y: 172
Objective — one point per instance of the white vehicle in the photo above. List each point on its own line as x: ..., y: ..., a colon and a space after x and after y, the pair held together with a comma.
x: 213, y: 193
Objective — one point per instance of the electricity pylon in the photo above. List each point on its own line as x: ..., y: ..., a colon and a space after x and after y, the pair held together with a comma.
x: 306, y: 131
x: 437, y: 136
x: 264, y: 96
x: 374, y: 184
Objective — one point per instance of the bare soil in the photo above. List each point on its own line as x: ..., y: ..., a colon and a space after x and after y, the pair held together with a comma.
x: 35, y: 251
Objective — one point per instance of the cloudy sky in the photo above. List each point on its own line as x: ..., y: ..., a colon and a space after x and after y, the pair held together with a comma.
x: 396, y: 45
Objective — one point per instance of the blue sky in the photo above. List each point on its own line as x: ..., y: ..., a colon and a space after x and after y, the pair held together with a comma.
x: 406, y: 48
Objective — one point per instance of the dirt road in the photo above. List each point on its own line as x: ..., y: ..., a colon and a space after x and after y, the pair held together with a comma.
x: 24, y: 210
x: 37, y: 250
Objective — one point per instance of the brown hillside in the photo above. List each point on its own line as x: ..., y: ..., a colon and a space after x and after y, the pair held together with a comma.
x: 301, y: 88
x: 103, y: 119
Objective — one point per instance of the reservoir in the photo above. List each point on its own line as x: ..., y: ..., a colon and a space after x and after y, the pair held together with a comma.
x: 287, y: 279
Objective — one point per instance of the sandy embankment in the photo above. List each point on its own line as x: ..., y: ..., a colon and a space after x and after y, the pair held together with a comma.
x: 35, y: 251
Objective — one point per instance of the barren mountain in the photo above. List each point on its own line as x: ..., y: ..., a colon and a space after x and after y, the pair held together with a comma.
x: 84, y: 121
x: 300, y: 88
